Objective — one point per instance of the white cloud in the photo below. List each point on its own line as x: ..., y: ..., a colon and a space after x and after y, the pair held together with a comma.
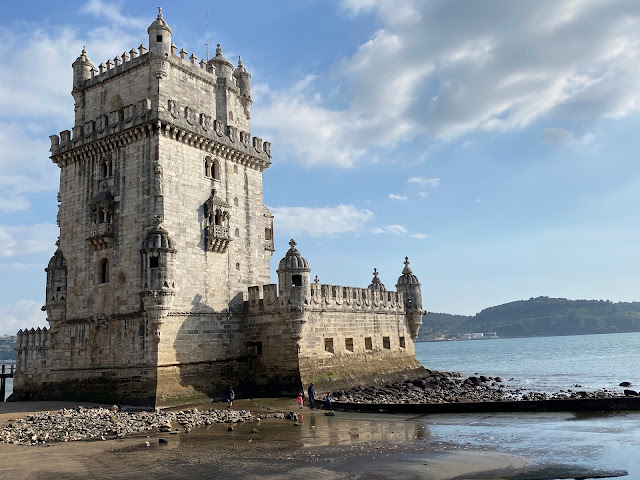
x: 390, y: 230
x: 393, y: 196
x: 563, y: 137
x: 493, y: 69
x: 429, y: 182
x: 419, y: 236
x: 21, y: 315
x: 477, y: 200
x: 423, y: 194
x: 26, y: 240
x: 111, y: 11
x: 319, y: 221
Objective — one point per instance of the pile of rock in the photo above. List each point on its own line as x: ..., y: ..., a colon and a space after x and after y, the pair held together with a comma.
x: 448, y: 387
x: 101, y: 423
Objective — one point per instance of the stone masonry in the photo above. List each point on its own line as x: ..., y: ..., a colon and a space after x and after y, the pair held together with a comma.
x: 158, y: 292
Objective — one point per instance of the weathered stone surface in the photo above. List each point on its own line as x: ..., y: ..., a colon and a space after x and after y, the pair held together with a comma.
x: 158, y: 293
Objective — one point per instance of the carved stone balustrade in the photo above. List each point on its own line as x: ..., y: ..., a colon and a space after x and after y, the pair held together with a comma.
x: 218, y: 238
x: 101, y: 236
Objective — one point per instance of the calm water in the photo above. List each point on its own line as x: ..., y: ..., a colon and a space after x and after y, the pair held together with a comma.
x: 544, y: 363
x: 605, y: 441
x: 9, y: 384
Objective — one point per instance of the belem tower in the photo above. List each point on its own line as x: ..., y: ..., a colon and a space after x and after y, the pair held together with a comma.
x: 158, y: 293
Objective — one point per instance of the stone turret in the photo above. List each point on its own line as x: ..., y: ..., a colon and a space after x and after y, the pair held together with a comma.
x: 159, y: 36
x: 223, y: 67
x: 243, y: 78
x: 82, y: 68
x: 376, y: 283
x: 409, y: 286
x: 55, y: 305
x: 294, y: 284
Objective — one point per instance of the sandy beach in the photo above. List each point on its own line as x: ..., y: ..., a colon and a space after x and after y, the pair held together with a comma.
x: 343, y: 446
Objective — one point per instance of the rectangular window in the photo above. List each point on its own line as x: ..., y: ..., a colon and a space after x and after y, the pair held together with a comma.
x: 254, y: 348
x: 348, y: 344
x: 159, y: 38
x: 402, y: 344
x: 154, y: 262
x: 386, y: 343
x: 328, y: 345
x: 296, y: 280
x: 368, y: 344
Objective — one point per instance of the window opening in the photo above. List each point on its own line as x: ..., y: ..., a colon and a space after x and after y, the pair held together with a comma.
x: 348, y: 344
x: 104, y: 271
x: 402, y: 344
x: 386, y: 343
x: 159, y: 38
x: 216, y: 169
x: 368, y: 344
x: 237, y: 266
x: 296, y: 280
x: 328, y: 345
x: 154, y: 262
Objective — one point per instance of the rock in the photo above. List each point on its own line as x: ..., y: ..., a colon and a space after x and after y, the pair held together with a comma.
x: 163, y: 441
x: 230, y: 428
x: 330, y: 413
x: 630, y: 393
x: 625, y: 384
x: 146, y: 444
x: 114, y: 408
x: 254, y: 430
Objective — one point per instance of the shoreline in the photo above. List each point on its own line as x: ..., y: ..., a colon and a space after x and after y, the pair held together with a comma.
x: 347, y: 445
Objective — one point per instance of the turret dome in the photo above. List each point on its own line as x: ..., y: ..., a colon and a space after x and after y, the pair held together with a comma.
x: 159, y: 23
x: 57, y: 261
x: 240, y: 69
x: 293, y: 260
x: 158, y: 239
x: 407, y: 277
x: 376, y: 283
x: 219, y: 58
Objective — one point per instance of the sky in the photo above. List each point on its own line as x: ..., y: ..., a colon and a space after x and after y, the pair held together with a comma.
x: 494, y: 143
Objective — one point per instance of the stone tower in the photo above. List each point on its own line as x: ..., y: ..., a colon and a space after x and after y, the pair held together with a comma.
x: 158, y: 292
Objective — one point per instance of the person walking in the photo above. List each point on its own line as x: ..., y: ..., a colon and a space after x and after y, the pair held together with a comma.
x: 312, y: 396
x: 300, y: 400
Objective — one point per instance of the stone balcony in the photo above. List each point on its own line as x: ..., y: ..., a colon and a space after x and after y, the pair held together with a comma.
x: 217, y: 238
x: 101, y: 236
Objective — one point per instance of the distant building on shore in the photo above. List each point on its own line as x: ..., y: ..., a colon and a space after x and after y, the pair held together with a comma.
x: 158, y: 292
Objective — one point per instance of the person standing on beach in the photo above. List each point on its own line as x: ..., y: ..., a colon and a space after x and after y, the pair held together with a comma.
x: 312, y: 396
x: 229, y: 396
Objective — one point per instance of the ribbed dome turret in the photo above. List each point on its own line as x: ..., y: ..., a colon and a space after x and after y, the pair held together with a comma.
x: 57, y: 261
x: 407, y: 277
x: 159, y: 23
x: 158, y: 238
x: 376, y: 283
x: 293, y: 260
x: 83, y: 58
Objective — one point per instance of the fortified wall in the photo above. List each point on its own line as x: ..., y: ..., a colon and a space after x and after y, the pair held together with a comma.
x: 157, y: 294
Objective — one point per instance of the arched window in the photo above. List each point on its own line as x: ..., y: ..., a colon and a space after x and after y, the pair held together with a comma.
x: 207, y: 167
x: 215, y: 170
x: 268, y: 234
x: 218, y: 218
x: 237, y: 232
x: 231, y: 116
x: 106, y: 167
x: 235, y: 201
x: 103, y: 271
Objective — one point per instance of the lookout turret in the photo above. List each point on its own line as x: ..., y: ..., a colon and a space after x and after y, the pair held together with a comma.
x: 82, y: 68
x: 159, y: 36
x: 294, y: 283
x: 409, y: 286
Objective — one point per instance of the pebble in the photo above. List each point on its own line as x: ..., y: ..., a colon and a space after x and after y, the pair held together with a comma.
x: 81, y: 423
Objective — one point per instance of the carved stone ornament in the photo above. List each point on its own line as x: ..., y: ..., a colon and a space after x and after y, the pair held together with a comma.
x: 205, y: 121
x: 257, y: 144
x: 114, y: 119
x: 129, y: 113
x: 190, y: 115
x: 65, y: 137
x: 157, y: 335
x: 89, y: 127
x: 266, y: 146
x: 245, y: 138
x: 233, y: 134
x: 101, y: 123
x: 77, y: 133
x: 173, y: 108
x: 219, y: 128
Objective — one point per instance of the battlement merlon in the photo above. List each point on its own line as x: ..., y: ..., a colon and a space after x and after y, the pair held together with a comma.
x: 138, y: 120
x: 265, y: 298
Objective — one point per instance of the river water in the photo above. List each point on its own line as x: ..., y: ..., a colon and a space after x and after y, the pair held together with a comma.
x: 601, y: 441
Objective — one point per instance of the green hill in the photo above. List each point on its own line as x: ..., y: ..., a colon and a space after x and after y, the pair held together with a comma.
x: 541, y: 316
x: 7, y: 346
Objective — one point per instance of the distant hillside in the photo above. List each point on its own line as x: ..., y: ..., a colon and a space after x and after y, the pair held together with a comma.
x: 541, y: 316
x: 7, y: 346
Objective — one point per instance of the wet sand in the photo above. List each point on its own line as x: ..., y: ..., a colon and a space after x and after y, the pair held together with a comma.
x: 345, y: 446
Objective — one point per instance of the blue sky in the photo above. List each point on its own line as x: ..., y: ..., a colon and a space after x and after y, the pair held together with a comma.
x: 493, y: 142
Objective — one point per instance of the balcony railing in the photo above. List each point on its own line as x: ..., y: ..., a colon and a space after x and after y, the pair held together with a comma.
x: 217, y: 238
